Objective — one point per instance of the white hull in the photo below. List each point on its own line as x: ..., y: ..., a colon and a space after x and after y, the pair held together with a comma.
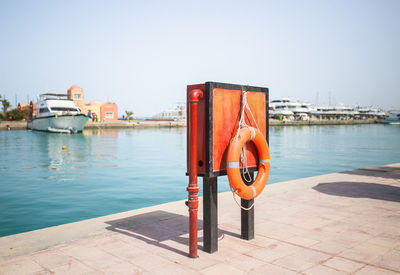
x: 394, y: 122
x: 60, y: 124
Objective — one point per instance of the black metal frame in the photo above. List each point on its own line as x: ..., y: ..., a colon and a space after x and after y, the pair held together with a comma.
x: 210, y: 178
x: 209, y: 87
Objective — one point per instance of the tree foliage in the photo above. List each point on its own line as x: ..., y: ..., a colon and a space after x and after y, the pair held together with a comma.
x: 129, y: 115
x: 16, y: 114
x: 6, y: 105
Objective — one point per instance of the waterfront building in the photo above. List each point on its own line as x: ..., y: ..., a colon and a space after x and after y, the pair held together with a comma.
x: 77, y: 94
x: 93, y: 107
x: 22, y: 106
x: 28, y: 106
x: 105, y: 112
x: 109, y: 112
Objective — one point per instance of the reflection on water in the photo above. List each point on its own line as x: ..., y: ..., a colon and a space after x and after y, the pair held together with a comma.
x: 91, y: 149
x: 69, y: 164
x: 108, y: 171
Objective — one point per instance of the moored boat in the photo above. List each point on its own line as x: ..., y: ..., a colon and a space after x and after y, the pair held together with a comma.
x: 393, y: 118
x: 56, y: 113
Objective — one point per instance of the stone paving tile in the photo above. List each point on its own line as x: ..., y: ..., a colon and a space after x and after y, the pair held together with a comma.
x: 149, y: 262
x: 390, y: 260
x: 125, y: 252
x: 50, y: 259
x: 372, y: 270
x: 97, y: 272
x: 320, y: 269
x: 236, y: 244
x: 277, y: 232
x: 302, y: 260
x: 312, y: 223
x: 365, y: 252
x: 333, y: 246
x: 22, y: 265
x: 204, y: 260
x: 271, y: 269
x: 92, y: 256
x: 42, y: 272
x: 274, y: 251
x: 72, y: 267
x: 178, y: 244
x: 170, y: 269
x: 343, y: 264
x: 153, y: 231
x: 335, y: 227
x: 122, y: 268
x: 222, y: 269
x: 357, y: 235
x: 382, y: 241
x: 137, y: 241
x: 93, y: 240
x: 225, y: 255
x: 104, y: 242
x: 245, y: 263
x: 302, y: 241
x: 261, y: 241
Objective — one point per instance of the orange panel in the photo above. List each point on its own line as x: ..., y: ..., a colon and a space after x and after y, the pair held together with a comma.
x: 226, y: 116
x: 218, y: 117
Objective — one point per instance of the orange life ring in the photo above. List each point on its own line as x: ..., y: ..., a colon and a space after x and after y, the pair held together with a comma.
x: 233, y: 167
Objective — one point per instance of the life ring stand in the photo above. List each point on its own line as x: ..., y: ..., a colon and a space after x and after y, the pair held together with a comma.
x: 244, y: 191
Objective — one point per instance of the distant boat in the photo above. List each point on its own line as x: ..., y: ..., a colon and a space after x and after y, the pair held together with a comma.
x: 56, y: 113
x: 393, y: 118
x: 288, y: 109
x: 175, y: 112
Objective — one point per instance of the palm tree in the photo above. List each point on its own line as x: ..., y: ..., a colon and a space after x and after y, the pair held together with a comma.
x: 6, y: 105
x: 129, y: 115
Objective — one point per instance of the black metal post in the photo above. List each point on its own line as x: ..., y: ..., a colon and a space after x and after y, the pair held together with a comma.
x: 210, y: 214
x: 247, y: 216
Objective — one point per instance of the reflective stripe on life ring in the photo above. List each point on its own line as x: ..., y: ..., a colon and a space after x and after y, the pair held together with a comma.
x: 233, y: 168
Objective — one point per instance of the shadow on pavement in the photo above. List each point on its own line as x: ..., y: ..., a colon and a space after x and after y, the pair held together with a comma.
x: 159, y: 226
x: 360, y: 190
x: 379, y: 171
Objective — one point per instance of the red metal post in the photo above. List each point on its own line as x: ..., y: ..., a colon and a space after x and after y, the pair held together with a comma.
x: 193, y: 187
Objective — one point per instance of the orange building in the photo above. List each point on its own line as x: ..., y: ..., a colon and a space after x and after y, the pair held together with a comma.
x: 105, y: 112
x: 109, y: 112
x: 77, y: 95
x: 94, y: 107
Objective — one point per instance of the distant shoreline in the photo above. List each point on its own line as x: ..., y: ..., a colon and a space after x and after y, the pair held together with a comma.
x: 123, y: 124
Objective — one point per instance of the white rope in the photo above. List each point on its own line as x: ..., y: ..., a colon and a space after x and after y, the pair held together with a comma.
x: 244, y: 208
x: 242, y: 123
x: 243, y: 159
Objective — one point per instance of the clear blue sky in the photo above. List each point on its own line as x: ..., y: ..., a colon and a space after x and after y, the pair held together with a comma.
x: 142, y: 54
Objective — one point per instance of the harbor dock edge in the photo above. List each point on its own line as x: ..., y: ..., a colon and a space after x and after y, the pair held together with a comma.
x: 339, y: 223
x: 121, y: 124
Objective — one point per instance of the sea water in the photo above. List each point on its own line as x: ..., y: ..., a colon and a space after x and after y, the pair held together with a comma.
x: 108, y: 171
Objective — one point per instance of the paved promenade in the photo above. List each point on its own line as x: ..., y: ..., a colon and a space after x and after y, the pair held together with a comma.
x: 341, y: 223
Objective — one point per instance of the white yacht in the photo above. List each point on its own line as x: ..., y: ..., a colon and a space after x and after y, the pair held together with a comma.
x: 289, y: 109
x: 175, y: 112
x: 56, y: 113
x: 340, y: 111
x: 370, y: 112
